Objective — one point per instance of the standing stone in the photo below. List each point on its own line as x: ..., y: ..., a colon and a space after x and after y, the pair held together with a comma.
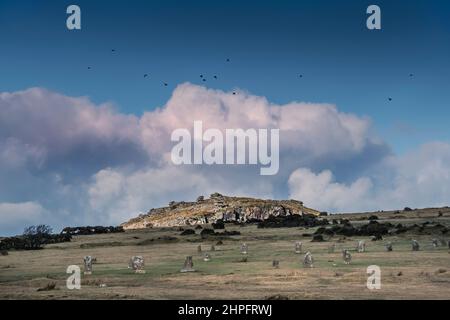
x: 199, y: 248
x: 435, y: 243
x: 308, y: 260
x: 213, y: 248
x: 188, y: 265
x: 415, y: 245
x: 137, y: 264
x: 244, y: 248
x: 448, y: 243
x: 332, y: 248
x: 87, y: 265
x: 206, y: 257
x: 361, y: 246
x: 276, y: 264
x: 346, y: 256
x: 298, y: 247
x: 388, y: 246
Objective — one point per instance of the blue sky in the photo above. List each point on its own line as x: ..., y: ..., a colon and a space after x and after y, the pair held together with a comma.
x: 269, y: 43
x: 69, y: 160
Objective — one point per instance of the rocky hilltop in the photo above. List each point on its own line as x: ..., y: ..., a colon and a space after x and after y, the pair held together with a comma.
x: 217, y: 207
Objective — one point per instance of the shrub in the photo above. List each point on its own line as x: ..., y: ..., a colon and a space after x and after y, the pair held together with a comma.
x: 36, y: 236
x: 187, y: 232
x: 218, y: 225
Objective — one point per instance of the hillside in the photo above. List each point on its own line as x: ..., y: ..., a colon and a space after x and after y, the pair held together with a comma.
x: 217, y: 207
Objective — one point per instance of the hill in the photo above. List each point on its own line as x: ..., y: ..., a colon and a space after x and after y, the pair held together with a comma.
x: 217, y: 207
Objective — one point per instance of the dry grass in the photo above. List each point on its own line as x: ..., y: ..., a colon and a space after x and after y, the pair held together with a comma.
x: 405, y: 274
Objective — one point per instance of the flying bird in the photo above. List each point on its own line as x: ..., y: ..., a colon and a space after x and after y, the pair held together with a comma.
x: 165, y: 84
x: 228, y: 60
x: 201, y: 76
x: 390, y: 99
x: 145, y: 75
x: 89, y: 68
x: 215, y: 77
x: 301, y: 76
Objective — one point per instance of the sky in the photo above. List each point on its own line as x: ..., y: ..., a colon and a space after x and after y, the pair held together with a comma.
x: 84, y: 136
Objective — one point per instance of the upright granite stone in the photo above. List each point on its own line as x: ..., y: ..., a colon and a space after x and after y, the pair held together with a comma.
x: 415, y: 245
x: 388, y: 247
x: 199, y: 248
x: 346, y: 256
x: 276, y: 264
x: 188, y: 265
x: 244, y: 248
x: 361, y: 246
x: 87, y: 265
x: 298, y: 247
x: 137, y: 264
x: 435, y: 243
x: 308, y: 260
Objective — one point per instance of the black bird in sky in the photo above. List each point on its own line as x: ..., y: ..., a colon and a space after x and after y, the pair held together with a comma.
x: 201, y: 76
x: 165, y: 84
x: 145, y: 75
x: 113, y: 50
x: 390, y: 99
x: 234, y: 93
x: 411, y: 75
x: 228, y: 60
x: 215, y: 77
x: 301, y: 76
x: 204, y: 80
x: 89, y: 68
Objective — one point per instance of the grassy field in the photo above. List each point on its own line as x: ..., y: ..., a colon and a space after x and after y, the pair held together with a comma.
x: 405, y: 274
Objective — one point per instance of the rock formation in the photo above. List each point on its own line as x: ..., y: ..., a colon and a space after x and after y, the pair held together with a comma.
x: 216, y: 210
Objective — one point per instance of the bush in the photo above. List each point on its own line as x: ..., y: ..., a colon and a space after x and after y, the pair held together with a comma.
x: 318, y: 238
x: 219, y: 225
x: 407, y: 209
x: 206, y: 232
x: 187, y: 232
x: 36, y: 236
x: 33, y: 238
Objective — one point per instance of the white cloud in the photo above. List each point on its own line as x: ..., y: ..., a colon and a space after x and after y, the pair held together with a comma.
x: 322, y: 192
x: 420, y: 178
x: 15, y: 216
x: 312, y: 130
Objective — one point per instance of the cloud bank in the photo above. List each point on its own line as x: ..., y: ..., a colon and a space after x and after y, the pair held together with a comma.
x: 67, y: 161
